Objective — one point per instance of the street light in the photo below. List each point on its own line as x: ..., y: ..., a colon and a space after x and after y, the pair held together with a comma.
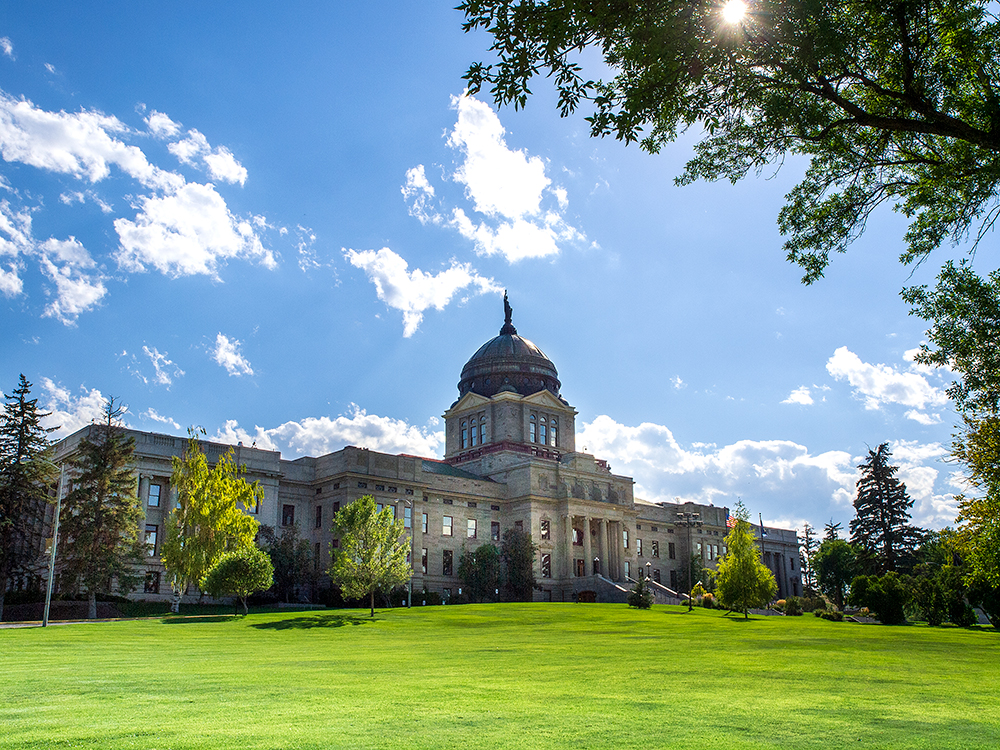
x: 689, y: 519
x: 597, y: 566
x: 648, y: 566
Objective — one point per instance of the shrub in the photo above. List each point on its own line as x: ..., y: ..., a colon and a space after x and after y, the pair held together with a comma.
x: 640, y: 597
x: 427, y: 598
x: 833, y: 615
x: 813, y: 603
x: 886, y: 596
x: 708, y: 601
x: 779, y: 605
x: 698, y: 591
x: 793, y: 606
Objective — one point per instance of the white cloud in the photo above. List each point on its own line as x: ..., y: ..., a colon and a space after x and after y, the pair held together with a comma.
x: 227, y: 353
x: 413, y: 292
x: 882, y: 384
x: 82, y: 144
x: 677, y: 383
x: 316, y: 436
x: 68, y: 413
x: 221, y: 163
x: 165, y: 369
x: 519, y: 213
x: 800, y: 395
x: 155, y: 416
x: 161, y: 126
x: 69, y: 266
x: 186, y: 233
x: 7, y: 46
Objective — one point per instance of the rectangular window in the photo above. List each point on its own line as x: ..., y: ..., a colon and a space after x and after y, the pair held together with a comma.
x: 495, y: 531
x: 316, y: 556
x: 471, y: 526
x: 625, y: 538
x: 423, y: 560
x: 423, y: 522
x: 671, y: 551
x: 531, y: 430
x: 465, y: 436
x: 446, y: 525
x: 656, y: 548
x: 287, y: 515
x: 545, y: 532
x: 554, y: 441
x: 638, y: 547
x: 673, y: 579
x: 319, y: 516
x: 447, y: 562
x: 336, y: 507
x: 154, y: 495
x: 581, y: 570
x: 546, y: 565
x: 577, y: 537
x: 407, y: 517
x: 701, y: 553
x: 473, y: 434
x: 362, y: 485
x: 482, y: 433
x: 152, y: 584
x: 628, y: 569
x: 151, y: 530
x: 656, y: 574
x: 543, y: 438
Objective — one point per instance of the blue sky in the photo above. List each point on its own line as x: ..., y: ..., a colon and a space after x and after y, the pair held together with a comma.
x: 288, y: 226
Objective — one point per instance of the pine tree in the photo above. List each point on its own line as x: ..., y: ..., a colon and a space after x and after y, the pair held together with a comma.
x: 26, y: 471
x: 880, y: 529
x: 208, y: 520
x: 102, y: 514
x: 742, y: 581
x: 809, y: 545
x: 831, y: 531
x: 641, y: 596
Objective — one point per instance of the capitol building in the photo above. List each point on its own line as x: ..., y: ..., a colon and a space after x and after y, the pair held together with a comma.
x: 510, y: 460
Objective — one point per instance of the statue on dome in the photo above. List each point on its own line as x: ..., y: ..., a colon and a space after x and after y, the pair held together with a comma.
x: 507, y: 309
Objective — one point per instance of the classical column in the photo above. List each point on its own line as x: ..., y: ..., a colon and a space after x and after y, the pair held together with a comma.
x: 602, y: 545
x: 588, y: 557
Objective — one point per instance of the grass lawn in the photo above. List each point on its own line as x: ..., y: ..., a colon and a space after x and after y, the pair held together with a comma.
x: 486, y: 676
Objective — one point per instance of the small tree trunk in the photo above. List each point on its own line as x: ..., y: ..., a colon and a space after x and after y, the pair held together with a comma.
x: 371, y: 594
x: 91, y: 605
x: 246, y: 610
x: 3, y: 594
x: 175, y: 601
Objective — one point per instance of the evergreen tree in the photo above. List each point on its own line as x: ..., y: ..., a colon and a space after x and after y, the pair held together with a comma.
x: 880, y: 529
x: 742, y: 581
x: 517, y: 553
x: 102, y: 515
x: 831, y: 530
x: 641, y: 596
x: 480, y: 571
x: 208, y: 520
x: 372, y: 553
x: 808, y: 546
x: 239, y: 574
x: 26, y: 471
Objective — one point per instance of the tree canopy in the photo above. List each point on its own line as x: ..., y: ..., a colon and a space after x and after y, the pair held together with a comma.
x: 835, y: 562
x: 480, y: 571
x: 372, y: 552
x: 517, y: 553
x: 102, y: 514
x: 210, y: 516
x: 239, y: 574
x: 890, y: 102
x: 742, y: 581
x: 26, y: 471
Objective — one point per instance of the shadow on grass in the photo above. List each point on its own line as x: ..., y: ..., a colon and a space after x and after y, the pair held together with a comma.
x: 314, y: 621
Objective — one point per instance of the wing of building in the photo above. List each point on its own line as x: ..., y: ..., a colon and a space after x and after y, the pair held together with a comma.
x: 510, y: 461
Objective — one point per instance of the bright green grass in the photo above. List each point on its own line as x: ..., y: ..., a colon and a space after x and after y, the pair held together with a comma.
x: 486, y: 676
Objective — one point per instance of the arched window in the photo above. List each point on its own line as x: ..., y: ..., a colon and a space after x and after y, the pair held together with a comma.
x: 482, y: 431
x: 543, y: 436
x: 465, y: 436
x: 555, y: 441
x: 473, y: 432
x: 531, y: 429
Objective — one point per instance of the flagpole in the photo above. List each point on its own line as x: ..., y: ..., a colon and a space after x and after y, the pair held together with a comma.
x: 55, y: 541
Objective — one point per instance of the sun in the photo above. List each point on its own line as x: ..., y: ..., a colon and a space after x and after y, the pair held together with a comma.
x: 733, y: 11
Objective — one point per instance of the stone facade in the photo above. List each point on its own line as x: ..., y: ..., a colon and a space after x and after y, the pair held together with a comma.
x: 510, y: 461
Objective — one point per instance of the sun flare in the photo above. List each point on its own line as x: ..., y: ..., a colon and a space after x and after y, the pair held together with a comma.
x: 733, y: 11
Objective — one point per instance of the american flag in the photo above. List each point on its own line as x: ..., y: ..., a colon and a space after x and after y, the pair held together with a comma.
x: 730, y: 521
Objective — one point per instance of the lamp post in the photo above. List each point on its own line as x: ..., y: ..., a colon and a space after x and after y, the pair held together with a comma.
x: 690, y: 520
x: 597, y: 566
x: 409, y: 596
x: 648, y: 566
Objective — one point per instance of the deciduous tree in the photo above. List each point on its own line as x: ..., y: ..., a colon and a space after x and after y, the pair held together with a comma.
x: 210, y: 517
x: 880, y: 530
x: 891, y: 103
x: 742, y: 581
x: 836, y: 565
x: 517, y: 553
x: 292, y: 558
x: 239, y: 574
x: 101, y: 516
x: 372, y: 552
x: 480, y: 571
x: 26, y: 471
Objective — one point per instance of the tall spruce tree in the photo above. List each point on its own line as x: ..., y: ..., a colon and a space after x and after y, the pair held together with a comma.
x: 809, y: 545
x: 101, y: 516
x: 26, y: 471
x: 880, y: 529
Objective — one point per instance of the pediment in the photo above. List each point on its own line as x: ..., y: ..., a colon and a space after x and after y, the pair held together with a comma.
x: 547, y: 400
x: 469, y: 401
